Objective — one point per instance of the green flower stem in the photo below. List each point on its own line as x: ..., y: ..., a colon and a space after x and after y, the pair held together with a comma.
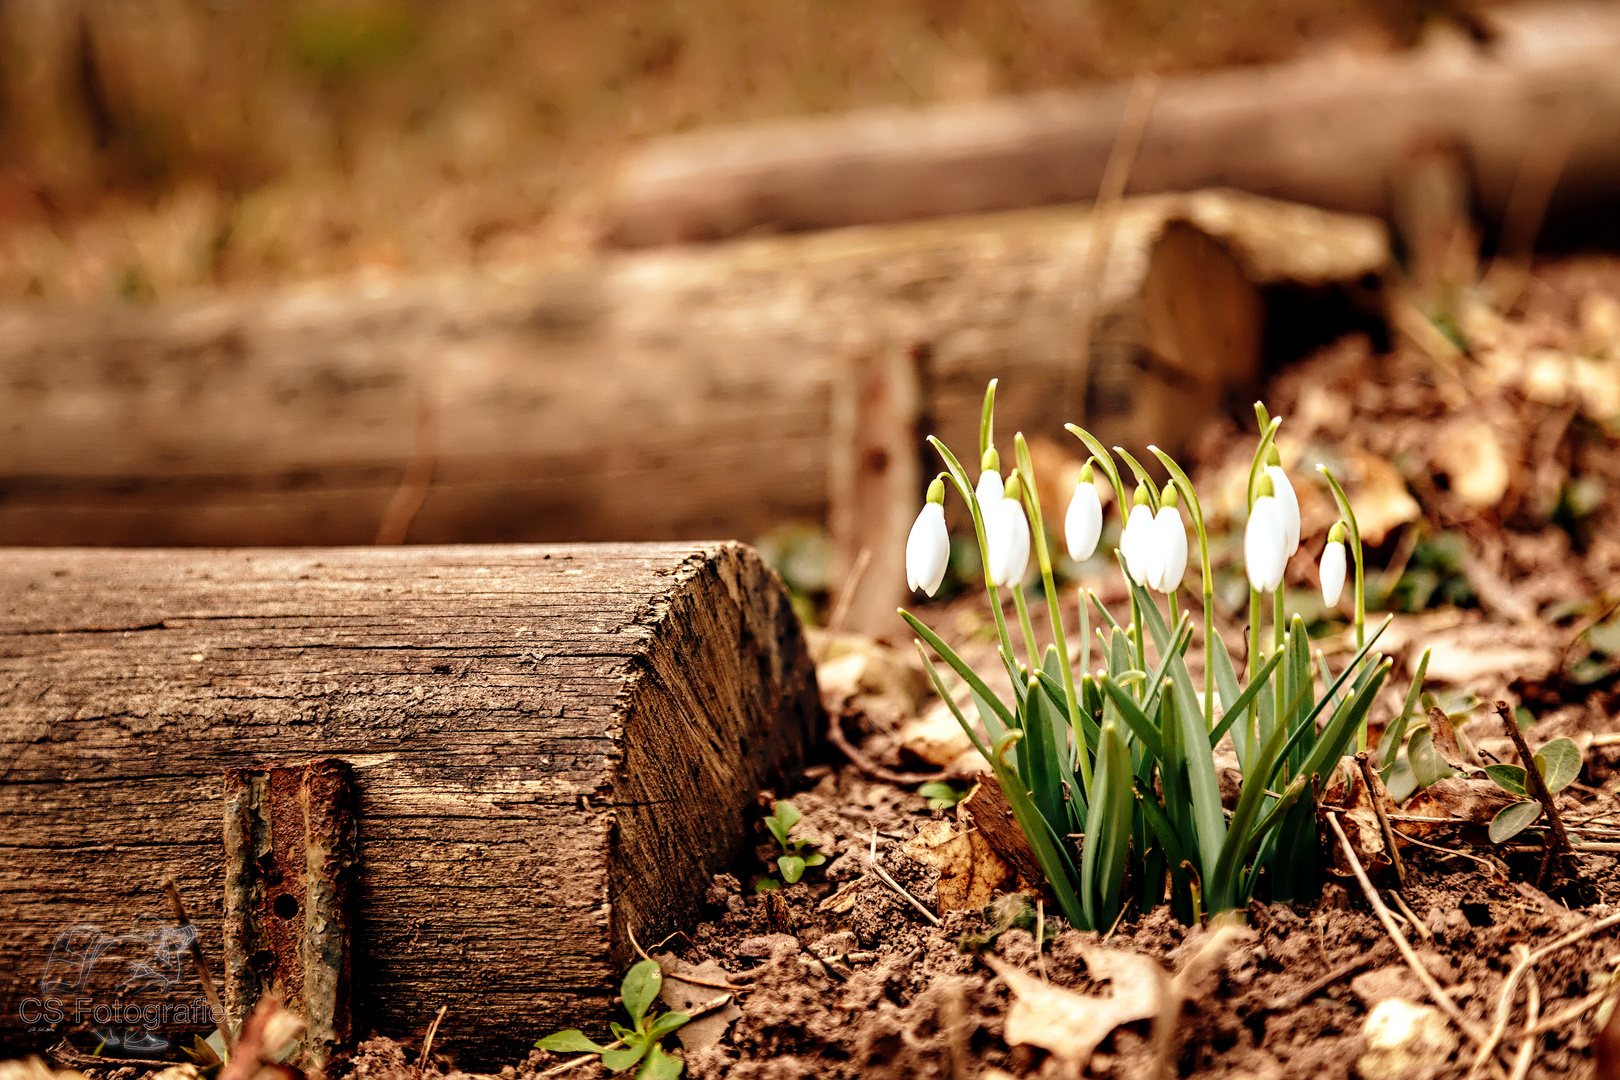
x: 1043, y: 557
x: 1196, y: 509
x: 1027, y: 627
x: 1253, y: 723
x: 960, y: 478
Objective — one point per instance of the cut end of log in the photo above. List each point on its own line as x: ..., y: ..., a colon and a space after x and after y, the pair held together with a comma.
x: 550, y: 747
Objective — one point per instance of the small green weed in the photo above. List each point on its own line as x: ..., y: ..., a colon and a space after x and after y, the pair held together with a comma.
x: 641, y: 1042
x: 794, y: 860
x: 942, y: 795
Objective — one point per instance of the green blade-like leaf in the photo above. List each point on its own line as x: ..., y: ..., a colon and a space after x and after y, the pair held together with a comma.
x: 1163, y: 831
x: 1241, y: 703
x: 1510, y: 778
x: 665, y: 1024
x: 1142, y: 478
x: 960, y: 666
x: 1053, y: 860
x: 1108, y: 830
x: 945, y: 696
x: 1105, y: 462
x: 660, y: 1066
x: 1512, y: 820
x: 1342, y: 726
x: 1046, y: 786
x: 640, y: 988
x: 791, y: 868
x: 1390, y: 744
x: 1134, y: 717
x: 1307, y: 727
x: 1205, y: 790
x: 571, y: 1041
x: 1559, y: 762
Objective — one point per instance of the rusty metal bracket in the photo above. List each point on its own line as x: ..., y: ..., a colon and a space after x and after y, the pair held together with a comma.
x: 290, y: 869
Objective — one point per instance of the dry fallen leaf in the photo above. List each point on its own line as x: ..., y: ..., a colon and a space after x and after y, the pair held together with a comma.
x: 1071, y: 1025
x: 681, y: 996
x: 935, y: 736
x: 969, y: 871
x: 1471, y: 456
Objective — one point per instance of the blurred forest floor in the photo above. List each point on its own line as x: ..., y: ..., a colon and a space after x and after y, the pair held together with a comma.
x: 153, y: 147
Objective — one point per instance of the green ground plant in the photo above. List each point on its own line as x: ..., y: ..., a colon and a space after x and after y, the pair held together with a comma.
x: 641, y: 1041
x: 1109, y: 769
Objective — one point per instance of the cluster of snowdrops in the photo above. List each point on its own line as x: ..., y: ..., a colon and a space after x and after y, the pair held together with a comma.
x: 1110, y: 769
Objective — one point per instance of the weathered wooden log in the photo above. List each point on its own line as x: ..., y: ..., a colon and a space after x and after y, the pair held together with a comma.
x: 1328, y: 130
x: 551, y: 748
x: 639, y: 396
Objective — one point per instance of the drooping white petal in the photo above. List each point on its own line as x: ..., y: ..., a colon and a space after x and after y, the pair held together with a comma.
x: 928, y: 549
x: 1082, y: 526
x: 1007, y: 533
x: 989, y: 490
x: 1265, y: 545
x: 1141, y: 554
x: 1288, y: 503
x: 1333, y: 567
x: 1170, y: 538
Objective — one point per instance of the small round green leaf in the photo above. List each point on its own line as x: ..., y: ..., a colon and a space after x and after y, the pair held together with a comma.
x: 815, y: 858
x: 1427, y: 765
x: 1512, y: 820
x: 569, y: 1042
x: 640, y: 987
x: 792, y: 868
x: 666, y: 1024
x: 1559, y: 763
x: 620, y: 1060
x: 787, y: 814
x: 1510, y: 778
x: 769, y: 884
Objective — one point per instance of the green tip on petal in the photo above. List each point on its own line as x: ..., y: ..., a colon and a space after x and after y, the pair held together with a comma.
x: 1336, y: 534
x: 1141, y: 497
x: 1273, y: 457
x: 1169, y: 498
x: 936, y: 490
x: 1015, y: 487
x: 991, y: 462
x: 1086, y: 474
x: 1264, y: 487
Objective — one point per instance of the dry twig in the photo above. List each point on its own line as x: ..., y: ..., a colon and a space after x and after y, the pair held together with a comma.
x: 223, y: 1027
x: 427, y: 1041
x: 883, y: 876
x: 836, y: 736
x: 1375, y: 791
x: 1538, y: 787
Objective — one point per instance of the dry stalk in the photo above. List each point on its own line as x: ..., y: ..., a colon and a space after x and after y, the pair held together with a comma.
x: 1225, y: 931
x: 224, y: 1027
x: 427, y: 1041
x: 1375, y: 791
x: 1435, y: 990
x: 1538, y: 787
x: 1527, y: 1049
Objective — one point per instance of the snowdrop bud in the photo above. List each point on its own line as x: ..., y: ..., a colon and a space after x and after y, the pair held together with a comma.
x: 1265, y: 541
x: 1170, y: 543
x: 1082, y: 528
x: 1333, y: 565
x: 1286, y: 501
x: 1007, y: 536
x: 1136, y: 544
x: 928, y: 548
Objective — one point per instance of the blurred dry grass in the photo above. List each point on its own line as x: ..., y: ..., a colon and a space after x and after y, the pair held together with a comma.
x: 149, y: 147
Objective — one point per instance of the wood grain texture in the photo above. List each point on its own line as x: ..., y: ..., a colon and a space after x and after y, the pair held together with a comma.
x: 551, y: 746
x: 1329, y: 130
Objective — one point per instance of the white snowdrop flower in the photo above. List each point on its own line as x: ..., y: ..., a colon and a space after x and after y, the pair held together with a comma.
x: 1006, y: 531
x: 1082, y: 526
x: 1136, y: 543
x: 1265, y: 542
x: 928, y: 548
x: 989, y: 490
x: 1170, y: 541
x: 1333, y: 566
x: 1283, y: 491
